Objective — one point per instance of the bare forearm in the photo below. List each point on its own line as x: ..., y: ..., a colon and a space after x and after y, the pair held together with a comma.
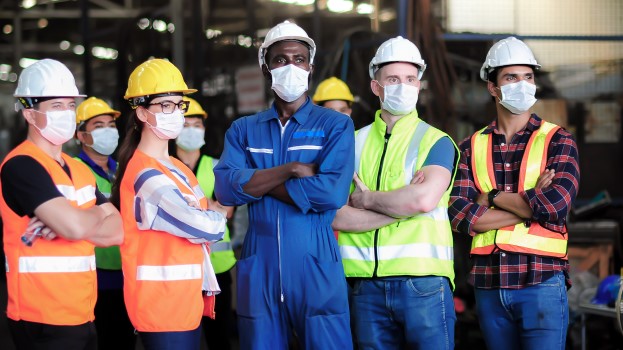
x: 281, y: 194
x: 110, y: 230
x: 349, y: 219
x: 494, y: 219
x: 264, y: 180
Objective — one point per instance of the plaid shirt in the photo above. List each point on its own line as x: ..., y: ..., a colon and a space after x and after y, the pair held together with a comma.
x: 550, y: 205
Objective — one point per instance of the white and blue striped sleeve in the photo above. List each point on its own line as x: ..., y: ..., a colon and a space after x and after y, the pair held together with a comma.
x: 160, y: 205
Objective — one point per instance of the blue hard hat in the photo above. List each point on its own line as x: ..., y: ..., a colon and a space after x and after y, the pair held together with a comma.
x: 604, y: 293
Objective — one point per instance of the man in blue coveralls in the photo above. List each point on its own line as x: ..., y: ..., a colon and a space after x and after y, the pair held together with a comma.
x: 293, y: 165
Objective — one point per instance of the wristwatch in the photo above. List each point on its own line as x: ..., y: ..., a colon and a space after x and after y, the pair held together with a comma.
x: 492, y: 194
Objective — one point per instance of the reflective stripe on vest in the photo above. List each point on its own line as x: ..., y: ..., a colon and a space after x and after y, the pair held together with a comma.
x: 397, y: 249
x: 43, y: 264
x: 168, y: 273
x: 221, y: 253
x: 535, y: 239
x: 80, y: 196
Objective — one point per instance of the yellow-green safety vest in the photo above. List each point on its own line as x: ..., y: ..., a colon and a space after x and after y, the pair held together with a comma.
x: 108, y: 258
x: 418, y: 246
x: 533, y: 239
x: 221, y: 253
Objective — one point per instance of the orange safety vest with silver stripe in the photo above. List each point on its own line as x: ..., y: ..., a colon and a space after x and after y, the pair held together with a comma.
x: 162, y: 272
x: 52, y: 282
x: 534, y: 239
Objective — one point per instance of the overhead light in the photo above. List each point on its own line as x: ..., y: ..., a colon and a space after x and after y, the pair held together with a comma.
x: 42, y: 23
x: 143, y: 23
x: 24, y: 62
x: 28, y: 3
x: 79, y: 50
x: 64, y: 45
x: 5, y: 68
x: 104, y: 53
x: 13, y: 77
x: 159, y: 25
x: 7, y: 29
x: 365, y: 9
x: 213, y: 33
x: 387, y: 15
x: 340, y: 6
x: 170, y: 27
x: 296, y: 2
x: 245, y: 41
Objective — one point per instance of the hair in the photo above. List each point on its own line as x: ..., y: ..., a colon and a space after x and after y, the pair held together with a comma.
x: 133, y: 131
x: 493, y: 76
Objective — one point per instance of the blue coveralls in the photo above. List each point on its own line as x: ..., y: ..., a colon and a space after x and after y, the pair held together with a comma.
x: 290, y: 274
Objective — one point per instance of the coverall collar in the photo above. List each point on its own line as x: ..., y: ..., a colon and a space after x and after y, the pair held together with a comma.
x: 299, y: 116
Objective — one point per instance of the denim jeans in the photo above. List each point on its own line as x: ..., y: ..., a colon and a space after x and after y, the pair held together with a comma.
x: 187, y: 340
x: 534, y: 317
x: 403, y: 313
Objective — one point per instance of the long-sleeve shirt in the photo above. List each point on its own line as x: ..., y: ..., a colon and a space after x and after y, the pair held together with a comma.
x: 550, y: 205
x: 312, y: 135
x: 161, y: 206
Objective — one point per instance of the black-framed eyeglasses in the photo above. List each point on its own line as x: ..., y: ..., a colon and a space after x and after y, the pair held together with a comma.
x: 169, y: 106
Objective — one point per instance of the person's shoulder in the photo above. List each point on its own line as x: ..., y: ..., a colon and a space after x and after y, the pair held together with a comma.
x: 21, y: 164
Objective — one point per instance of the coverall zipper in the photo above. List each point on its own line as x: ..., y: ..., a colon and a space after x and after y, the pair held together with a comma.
x: 378, y: 186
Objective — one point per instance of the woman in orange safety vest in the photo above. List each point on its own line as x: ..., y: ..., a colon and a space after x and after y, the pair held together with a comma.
x: 165, y: 214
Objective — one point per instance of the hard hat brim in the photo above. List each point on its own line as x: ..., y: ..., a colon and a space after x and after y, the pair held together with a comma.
x: 183, y: 92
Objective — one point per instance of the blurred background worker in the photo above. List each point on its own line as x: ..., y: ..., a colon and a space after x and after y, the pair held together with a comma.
x: 51, y: 281
x: 189, y: 149
x: 98, y: 136
x: 166, y: 265
x: 333, y: 93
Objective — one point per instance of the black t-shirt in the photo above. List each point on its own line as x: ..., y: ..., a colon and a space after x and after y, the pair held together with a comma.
x: 26, y: 185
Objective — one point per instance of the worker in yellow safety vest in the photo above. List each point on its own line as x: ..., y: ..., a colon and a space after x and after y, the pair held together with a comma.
x: 517, y: 180
x: 189, y: 149
x: 98, y: 137
x: 53, y: 218
x: 334, y: 94
x: 395, y: 239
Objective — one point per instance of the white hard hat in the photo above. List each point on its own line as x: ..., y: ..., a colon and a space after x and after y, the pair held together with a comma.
x: 286, y: 31
x: 507, y: 52
x: 45, y: 78
x: 397, y: 49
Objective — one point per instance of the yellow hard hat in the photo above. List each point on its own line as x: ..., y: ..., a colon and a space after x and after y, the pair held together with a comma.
x: 332, y: 89
x: 92, y: 107
x: 154, y: 77
x: 194, y: 108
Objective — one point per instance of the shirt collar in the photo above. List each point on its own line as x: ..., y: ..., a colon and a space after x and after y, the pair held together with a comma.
x: 300, y: 115
x: 534, y: 123
x: 112, y: 165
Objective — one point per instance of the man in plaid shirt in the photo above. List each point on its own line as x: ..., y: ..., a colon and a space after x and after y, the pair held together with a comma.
x: 515, y: 209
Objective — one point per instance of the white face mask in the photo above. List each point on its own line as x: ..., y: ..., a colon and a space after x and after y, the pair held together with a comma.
x: 191, y: 138
x: 168, y: 126
x: 518, y: 97
x: 400, y: 99
x: 105, y: 140
x: 289, y: 82
x: 60, y: 127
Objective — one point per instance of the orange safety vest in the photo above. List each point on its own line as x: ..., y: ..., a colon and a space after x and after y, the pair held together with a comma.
x: 534, y: 239
x: 162, y: 273
x: 52, y: 282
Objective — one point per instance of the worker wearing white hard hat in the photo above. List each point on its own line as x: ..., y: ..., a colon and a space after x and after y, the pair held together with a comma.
x: 293, y: 164
x: 53, y: 218
x: 395, y: 235
x: 518, y: 179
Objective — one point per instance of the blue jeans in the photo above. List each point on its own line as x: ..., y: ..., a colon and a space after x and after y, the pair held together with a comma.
x: 534, y: 317
x: 403, y: 313
x: 188, y: 340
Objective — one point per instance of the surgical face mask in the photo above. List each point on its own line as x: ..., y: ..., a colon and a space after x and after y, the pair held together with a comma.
x: 191, y: 138
x: 60, y: 126
x: 400, y: 99
x: 105, y: 140
x: 518, y: 97
x: 168, y: 126
x: 289, y: 82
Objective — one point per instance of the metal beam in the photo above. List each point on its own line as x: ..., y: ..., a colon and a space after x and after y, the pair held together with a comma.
x: 99, y: 13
